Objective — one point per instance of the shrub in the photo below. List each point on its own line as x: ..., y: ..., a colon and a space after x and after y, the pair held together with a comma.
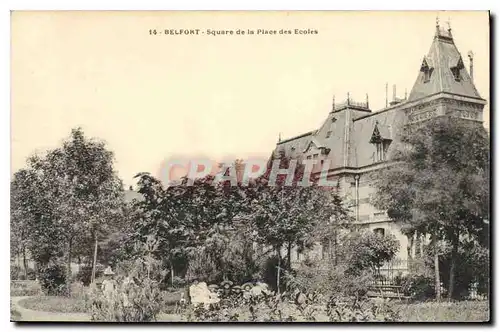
x: 329, y: 279
x: 286, y: 307
x: 360, y: 251
x: 419, y: 287
x: 15, y: 273
x: 136, y: 297
x: 178, y: 282
x: 53, y: 279
x: 84, y: 275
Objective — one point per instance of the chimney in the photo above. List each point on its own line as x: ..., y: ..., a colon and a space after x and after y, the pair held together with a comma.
x: 471, y: 65
x: 386, y: 93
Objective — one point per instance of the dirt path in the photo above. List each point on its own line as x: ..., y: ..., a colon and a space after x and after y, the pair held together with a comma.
x: 42, y: 316
x: 28, y: 315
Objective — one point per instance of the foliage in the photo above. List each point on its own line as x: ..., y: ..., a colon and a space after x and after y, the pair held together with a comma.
x: 419, y: 287
x: 329, y: 279
x: 289, y: 307
x: 364, y: 250
x: 472, y: 270
x: 440, y: 183
x: 52, y: 279
x: 84, y: 274
x: 67, y: 198
x: 137, y: 301
x: 136, y: 295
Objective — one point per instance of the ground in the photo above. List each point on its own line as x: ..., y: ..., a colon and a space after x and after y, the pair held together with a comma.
x: 32, y: 315
x: 466, y: 311
x: 42, y: 316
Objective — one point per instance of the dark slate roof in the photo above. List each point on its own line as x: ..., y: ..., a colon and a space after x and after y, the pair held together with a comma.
x: 443, y: 55
x: 294, y: 146
x: 388, y: 123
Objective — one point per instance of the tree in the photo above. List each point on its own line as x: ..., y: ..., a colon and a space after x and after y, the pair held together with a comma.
x: 440, y: 184
x: 77, y: 195
x: 285, y: 215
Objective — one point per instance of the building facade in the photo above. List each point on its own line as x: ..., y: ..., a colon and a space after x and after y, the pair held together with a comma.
x: 356, y: 141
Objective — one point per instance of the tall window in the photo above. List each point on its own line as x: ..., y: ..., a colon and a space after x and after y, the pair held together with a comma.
x: 328, y: 133
x: 379, y: 231
x: 381, y: 150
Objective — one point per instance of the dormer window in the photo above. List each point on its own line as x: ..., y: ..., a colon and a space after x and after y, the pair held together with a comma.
x: 328, y: 133
x: 456, y: 70
x: 456, y: 73
x: 381, y: 138
x: 426, y: 69
x: 427, y: 75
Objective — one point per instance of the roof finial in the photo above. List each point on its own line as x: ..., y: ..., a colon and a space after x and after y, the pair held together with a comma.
x: 333, y: 103
x: 279, y: 137
x: 348, y: 98
x: 437, y: 20
x: 367, y: 102
x: 448, y: 22
x: 406, y: 94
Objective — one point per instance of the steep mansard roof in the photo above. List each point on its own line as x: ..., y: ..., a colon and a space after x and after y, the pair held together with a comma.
x: 442, y: 70
x: 443, y: 58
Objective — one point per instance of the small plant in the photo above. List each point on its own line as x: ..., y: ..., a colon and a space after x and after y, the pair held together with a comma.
x: 419, y: 287
x: 53, y: 280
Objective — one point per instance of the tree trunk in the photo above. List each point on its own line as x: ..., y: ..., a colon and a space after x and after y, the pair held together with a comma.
x: 279, y: 271
x: 94, y: 260
x: 437, y: 280
x: 289, y: 257
x: 454, y: 251
x: 25, y: 264
x: 68, y: 268
x: 172, y: 274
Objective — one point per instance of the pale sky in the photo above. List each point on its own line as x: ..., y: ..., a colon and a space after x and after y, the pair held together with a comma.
x: 152, y: 97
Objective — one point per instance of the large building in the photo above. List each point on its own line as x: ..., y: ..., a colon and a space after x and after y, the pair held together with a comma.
x: 356, y: 140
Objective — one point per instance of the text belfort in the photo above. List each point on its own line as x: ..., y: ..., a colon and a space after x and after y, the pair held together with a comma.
x: 211, y: 32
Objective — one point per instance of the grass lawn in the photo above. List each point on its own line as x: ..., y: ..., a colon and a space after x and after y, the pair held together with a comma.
x: 465, y: 311
x: 54, y: 304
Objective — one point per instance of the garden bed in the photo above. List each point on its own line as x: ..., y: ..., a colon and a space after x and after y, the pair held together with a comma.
x: 25, y: 288
x: 54, y: 304
x: 464, y: 311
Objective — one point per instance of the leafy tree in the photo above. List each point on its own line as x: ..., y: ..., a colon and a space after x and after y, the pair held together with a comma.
x: 285, y: 215
x: 366, y: 250
x: 75, y: 196
x: 440, y: 185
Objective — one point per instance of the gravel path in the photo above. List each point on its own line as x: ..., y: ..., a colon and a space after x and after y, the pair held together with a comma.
x: 28, y: 315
